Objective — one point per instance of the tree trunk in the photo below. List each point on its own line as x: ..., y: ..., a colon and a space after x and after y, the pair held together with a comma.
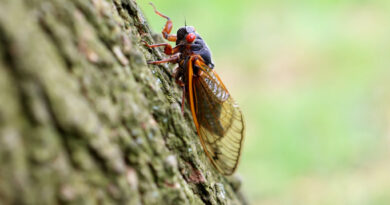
x: 84, y: 119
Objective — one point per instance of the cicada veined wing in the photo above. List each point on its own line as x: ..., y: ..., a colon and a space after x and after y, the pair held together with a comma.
x: 217, y: 117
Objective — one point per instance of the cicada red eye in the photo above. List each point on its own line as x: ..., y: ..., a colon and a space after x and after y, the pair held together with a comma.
x: 190, y: 37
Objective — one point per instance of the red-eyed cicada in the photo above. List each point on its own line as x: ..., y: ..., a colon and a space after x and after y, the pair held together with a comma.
x: 218, y: 119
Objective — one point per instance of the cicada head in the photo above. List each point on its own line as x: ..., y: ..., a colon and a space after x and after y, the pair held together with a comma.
x: 186, y: 35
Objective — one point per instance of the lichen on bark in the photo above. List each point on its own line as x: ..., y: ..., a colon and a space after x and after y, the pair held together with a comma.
x: 84, y: 119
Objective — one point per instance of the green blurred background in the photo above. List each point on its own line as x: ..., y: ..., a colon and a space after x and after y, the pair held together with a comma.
x: 312, y: 78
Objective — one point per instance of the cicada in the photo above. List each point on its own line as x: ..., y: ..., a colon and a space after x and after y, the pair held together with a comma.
x: 217, y: 117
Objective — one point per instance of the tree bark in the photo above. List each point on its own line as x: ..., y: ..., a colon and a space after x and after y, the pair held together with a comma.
x: 84, y: 119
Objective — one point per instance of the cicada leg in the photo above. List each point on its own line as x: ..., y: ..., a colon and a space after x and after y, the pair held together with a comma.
x: 171, y: 59
x: 167, y: 48
x: 177, y: 74
x: 183, y: 97
x: 168, y: 26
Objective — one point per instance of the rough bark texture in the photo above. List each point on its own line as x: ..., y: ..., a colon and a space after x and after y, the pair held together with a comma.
x: 84, y: 119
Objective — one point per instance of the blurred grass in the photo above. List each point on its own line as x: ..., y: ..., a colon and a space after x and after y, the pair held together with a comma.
x: 312, y: 80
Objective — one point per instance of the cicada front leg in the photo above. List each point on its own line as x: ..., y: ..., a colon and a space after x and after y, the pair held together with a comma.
x: 167, y: 47
x: 168, y: 26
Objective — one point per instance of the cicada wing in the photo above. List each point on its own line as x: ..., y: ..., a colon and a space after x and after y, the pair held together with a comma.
x: 220, y: 121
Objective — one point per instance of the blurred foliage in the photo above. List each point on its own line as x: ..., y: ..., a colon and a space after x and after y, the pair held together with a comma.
x: 312, y: 80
